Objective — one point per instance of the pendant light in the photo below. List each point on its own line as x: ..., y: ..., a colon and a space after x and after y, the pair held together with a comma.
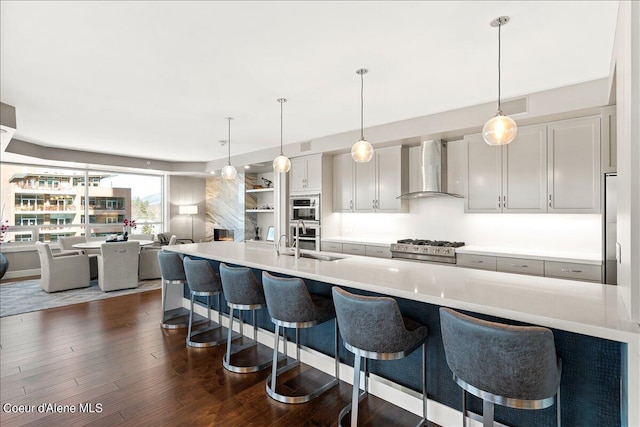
x: 362, y: 151
x: 501, y: 129
x: 281, y: 164
x: 229, y: 172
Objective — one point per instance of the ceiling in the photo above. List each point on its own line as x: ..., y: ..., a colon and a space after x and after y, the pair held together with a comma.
x: 156, y: 79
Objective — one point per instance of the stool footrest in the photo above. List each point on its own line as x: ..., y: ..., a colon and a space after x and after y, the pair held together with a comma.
x: 255, y: 357
x: 179, y: 318
x: 297, y: 383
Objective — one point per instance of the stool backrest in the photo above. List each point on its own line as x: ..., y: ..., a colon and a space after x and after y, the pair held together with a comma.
x: 171, y: 266
x: 200, y: 275
x: 372, y: 324
x: 288, y: 299
x: 517, y: 362
x: 240, y: 285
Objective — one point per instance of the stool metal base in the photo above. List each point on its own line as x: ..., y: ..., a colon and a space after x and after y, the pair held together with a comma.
x: 259, y: 360
x: 271, y: 385
x: 178, y: 318
x: 209, y: 335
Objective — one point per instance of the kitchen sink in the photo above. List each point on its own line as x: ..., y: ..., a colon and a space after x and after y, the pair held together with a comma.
x: 318, y: 256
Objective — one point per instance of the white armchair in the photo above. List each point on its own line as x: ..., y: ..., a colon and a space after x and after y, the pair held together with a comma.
x: 66, y: 247
x: 62, y: 272
x: 118, y: 265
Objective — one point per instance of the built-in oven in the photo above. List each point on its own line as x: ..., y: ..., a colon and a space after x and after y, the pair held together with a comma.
x: 305, y: 208
x: 309, y: 237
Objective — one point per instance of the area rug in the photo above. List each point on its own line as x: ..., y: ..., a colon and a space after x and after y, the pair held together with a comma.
x: 27, y: 295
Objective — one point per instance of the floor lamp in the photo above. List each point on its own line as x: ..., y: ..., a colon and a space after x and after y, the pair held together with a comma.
x: 189, y: 210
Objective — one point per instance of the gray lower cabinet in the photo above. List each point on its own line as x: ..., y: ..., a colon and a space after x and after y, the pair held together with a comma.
x: 377, y: 251
x: 535, y: 267
x: 480, y: 262
x: 331, y: 247
x: 354, y: 249
x: 570, y: 270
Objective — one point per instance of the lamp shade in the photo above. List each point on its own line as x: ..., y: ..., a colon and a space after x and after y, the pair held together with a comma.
x: 188, y: 210
x: 281, y: 164
x: 362, y: 151
x: 229, y: 172
x: 500, y: 130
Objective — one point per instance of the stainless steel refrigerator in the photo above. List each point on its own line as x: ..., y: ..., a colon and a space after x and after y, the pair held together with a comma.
x: 610, y: 230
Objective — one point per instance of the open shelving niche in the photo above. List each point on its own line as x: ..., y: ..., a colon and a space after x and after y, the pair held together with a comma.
x: 259, y: 206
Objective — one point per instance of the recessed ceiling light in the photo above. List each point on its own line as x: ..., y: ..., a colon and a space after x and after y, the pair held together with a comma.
x: 247, y: 167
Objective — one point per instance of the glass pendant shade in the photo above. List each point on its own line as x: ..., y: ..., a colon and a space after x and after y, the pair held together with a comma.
x: 500, y: 130
x: 229, y: 172
x: 281, y: 164
x: 362, y: 151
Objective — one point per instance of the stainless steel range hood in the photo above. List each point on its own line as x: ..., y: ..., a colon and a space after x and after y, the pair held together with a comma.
x: 433, y: 171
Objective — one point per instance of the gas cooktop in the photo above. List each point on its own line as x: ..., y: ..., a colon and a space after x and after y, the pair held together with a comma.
x: 426, y: 250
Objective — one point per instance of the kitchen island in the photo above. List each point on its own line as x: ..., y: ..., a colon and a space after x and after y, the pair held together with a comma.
x: 599, y: 345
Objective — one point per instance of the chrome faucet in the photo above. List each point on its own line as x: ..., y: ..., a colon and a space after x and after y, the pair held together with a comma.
x: 278, y: 243
x: 297, y: 236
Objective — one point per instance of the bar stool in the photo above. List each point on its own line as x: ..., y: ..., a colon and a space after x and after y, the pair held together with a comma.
x: 242, y: 292
x: 203, y: 281
x: 373, y: 328
x: 172, y: 272
x: 513, y: 366
x: 291, y: 305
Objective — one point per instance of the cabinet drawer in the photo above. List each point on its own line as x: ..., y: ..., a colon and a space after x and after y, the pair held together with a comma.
x: 567, y: 270
x: 521, y: 266
x: 350, y: 248
x: 331, y: 247
x: 481, y: 262
x: 378, y: 251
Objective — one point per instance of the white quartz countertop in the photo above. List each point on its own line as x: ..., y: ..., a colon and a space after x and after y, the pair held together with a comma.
x: 583, y: 258
x: 580, y: 307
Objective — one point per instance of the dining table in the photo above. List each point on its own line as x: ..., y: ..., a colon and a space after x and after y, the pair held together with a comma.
x: 96, y: 244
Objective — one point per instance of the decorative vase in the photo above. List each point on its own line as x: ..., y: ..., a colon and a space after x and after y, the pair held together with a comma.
x: 4, y: 265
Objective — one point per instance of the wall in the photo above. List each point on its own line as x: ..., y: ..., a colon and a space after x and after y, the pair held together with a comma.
x: 226, y: 205
x: 184, y: 190
x: 626, y: 63
x: 444, y: 219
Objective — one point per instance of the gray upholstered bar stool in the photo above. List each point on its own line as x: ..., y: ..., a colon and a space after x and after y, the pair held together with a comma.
x: 203, y: 281
x: 242, y: 292
x: 291, y: 305
x: 172, y: 272
x: 373, y: 328
x: 514, y: 366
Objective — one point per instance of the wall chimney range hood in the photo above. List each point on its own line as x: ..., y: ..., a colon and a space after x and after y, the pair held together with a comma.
x: 433, y: 171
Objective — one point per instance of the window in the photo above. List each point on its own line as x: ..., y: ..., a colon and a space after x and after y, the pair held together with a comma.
x: 50, y: 202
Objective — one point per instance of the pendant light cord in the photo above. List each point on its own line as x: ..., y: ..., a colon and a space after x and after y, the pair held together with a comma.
x: 362, y: 106
x: 281, y: 102
x: 499, y: 43
x: 229, y: 140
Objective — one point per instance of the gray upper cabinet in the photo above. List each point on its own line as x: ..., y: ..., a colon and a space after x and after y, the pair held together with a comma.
x: 609, y: 140
x: 306, y: 174
x: 380, y: 181
x: 574, y: 166
x: 524, y: 171
x: 511, y: 178
x: 372, y: 186
x: 483, y: 182
x: 343, y: 183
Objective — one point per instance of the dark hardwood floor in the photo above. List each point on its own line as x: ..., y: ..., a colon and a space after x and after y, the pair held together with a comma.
x: 111, y: 362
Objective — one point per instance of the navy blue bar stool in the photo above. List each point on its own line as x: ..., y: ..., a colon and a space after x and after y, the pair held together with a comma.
x: 373, y: 328
x: 242, y: 292
x: 291, y: 305
x: 203, y: 281
x: 513, y: 366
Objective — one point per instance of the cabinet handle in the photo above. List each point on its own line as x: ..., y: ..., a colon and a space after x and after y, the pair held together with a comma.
x: 568, y: 270
x: 477, y: 262
x: 504, y: 202
x: 499, y: 199
x: 519, y: 265
x: 549, y: 200
x: 350, y: 204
